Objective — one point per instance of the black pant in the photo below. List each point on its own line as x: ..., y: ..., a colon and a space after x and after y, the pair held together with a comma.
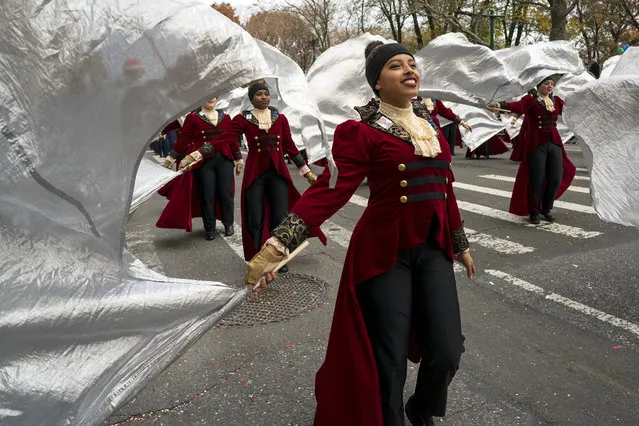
x: 545, y: 164
x: 215, y: 179
x: 450, y: 133
x: 272, y: 185
x: 421, y: 292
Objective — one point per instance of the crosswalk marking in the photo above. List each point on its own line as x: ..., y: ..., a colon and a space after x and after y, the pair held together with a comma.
x: 583, y: 169
x: 581, y: 208
x: 579, y: 307
x: 235, y: 241
x: 582, y: 178
x: 556, y: 228
x: 512, y: 179
x: 495, y: 243
x: 337, y: 233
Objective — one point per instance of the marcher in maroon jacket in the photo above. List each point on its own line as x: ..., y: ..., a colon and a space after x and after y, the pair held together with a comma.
x: 545, y: 171
x: 213, y: 176
x: 397, y: 289
x: 268, y: 192
x: 436, y: 107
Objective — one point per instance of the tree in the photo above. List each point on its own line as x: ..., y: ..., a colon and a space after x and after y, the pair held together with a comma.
x: 319, y: 15
x: 227, y: 10
x: 395, y: 13
x: 288, y: 33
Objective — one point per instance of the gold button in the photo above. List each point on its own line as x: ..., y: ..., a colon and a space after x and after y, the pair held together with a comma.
x: 259, y: 150
x: 278, y: 142
x: 258, y: 144
x: 403, y: 199
x: 445, y: 195
x: 255, y: 137
x: 403, y: 184
x: 540, y: 127
x: 401, y: 167
x: 278, y: 136
x: 450, y: 166
x: 202, y: 131
x: 446, y: 181
x: 539, y: 116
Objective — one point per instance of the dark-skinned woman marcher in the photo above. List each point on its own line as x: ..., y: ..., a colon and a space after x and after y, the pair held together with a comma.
x: 397, y: 296
x: 545, y: 171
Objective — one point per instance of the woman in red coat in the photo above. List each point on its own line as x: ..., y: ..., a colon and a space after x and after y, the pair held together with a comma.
x: 545, y: 171
x: 214, y: 186
x: 268, y: 192
x: 449, y: 131
x: 397, y: 290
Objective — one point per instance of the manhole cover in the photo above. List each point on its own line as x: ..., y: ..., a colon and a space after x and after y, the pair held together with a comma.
x: 286, y: 297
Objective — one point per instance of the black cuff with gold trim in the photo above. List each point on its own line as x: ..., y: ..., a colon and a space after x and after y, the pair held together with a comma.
x: 207, y: 150
x: 173, y: 153
x: 459, y: 239
x: 503, y: 105
x: 457, y: 120
x: 298, y: 160
x: 292, y: 231
x: 237, y: 155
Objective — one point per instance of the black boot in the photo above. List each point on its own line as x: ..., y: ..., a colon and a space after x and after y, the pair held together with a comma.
x: 417, y: 419
x: 210, y: 235
x: 534, y: 218
x: 547, y: 215
x: 228, y: 230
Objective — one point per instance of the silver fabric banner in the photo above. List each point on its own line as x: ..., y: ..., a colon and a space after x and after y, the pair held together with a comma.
x: 603, y: 114
x: 85, y: 86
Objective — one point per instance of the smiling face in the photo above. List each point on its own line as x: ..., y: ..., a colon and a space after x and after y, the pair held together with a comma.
x: 210, y: 105
x: 261, y: 99
x: 399, y: 80
x: 546, y: 87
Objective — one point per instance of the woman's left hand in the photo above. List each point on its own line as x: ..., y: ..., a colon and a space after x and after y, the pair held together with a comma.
x: 466, y: 126
x: 466, y: 259
x: 310, y: 177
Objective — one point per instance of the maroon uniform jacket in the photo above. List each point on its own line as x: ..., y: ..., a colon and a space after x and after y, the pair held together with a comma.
x: 266, y: 151
x: 539, y: 127
x: 407, y: 193
x: 182, y: 192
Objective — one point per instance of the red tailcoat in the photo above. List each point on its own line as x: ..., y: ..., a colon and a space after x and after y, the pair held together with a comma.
x: 540, y: 127
x: 266, y: 151
x: 182, y: 192
x: 347, y: 388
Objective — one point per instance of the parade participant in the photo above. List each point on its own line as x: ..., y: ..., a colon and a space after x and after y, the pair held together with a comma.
x: 214, y: 181
x: 545, y: 171
x: 268, y: 192
x: 493, y: 146
x: 449, y: 131
x: 397, y: 296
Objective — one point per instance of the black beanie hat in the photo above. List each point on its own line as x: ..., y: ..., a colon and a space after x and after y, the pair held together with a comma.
x: 254, y: 88
x: 377, y: 54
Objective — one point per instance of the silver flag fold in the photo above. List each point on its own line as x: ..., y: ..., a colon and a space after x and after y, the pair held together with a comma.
x: 85, y: 86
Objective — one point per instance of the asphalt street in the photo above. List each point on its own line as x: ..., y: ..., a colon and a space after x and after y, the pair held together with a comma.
x: 551, y: 320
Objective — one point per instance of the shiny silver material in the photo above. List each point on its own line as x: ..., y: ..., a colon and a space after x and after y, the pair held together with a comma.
x: 85, y: 85
x: 603, y: 114
x: 150, y: 177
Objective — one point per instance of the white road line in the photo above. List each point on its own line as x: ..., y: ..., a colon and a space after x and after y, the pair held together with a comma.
x: 512, y: 179
x: 359, y: 200
x: 498, y: 244
x: 583, y: 169
x: 581, y: 208
x: 337, y: 233
x: 235, y: 241
x: 556, y: 228
x: 582, y: 178
x: 579, y: 307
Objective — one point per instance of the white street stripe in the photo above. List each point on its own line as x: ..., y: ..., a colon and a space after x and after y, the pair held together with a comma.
x: 235, y: 241
x: 583, y: 169
x: 512, y: 179
x: 498, y: 244
x: 579, y: 307
x: 581, y: 178
x: 556, y: 228
x: 340, y: 235
x: 359, y: 200
x: 581, y: 208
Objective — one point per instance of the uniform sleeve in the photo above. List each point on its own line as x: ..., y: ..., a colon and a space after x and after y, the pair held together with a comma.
x: 447, y: 113
x: 184, y: 138
x: 319, y: 202
x: 520, y: 107
x: 288, y: 145
x: 455, y: 223
x: 230, y: 136
x: 559, y: 105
